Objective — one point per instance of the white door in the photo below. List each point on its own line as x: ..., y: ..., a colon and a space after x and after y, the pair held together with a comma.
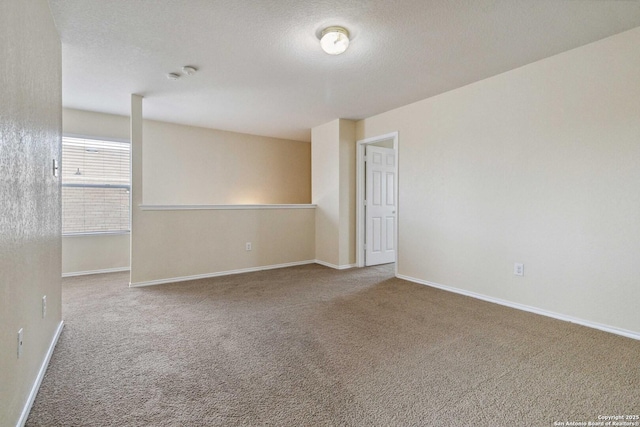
x: 380, y: 205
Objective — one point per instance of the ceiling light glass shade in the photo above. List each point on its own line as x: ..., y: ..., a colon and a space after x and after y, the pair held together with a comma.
x: 334, y: 40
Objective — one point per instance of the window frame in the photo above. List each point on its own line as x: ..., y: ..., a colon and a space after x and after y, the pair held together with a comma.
x: 128, y: 187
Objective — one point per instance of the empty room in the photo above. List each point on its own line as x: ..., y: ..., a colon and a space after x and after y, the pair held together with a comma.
x: 332, y: 213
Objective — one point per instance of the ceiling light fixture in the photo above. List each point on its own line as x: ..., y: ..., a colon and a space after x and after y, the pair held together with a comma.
x: 334, y: 40
x: 189, y: 70
x: 173, y: 76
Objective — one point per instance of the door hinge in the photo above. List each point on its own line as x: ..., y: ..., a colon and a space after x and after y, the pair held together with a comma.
x: 365, y: 203
x: 365, y: 247
x: 365, y: 158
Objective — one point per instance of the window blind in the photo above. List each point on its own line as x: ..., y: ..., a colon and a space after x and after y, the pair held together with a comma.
x: 96, y: 184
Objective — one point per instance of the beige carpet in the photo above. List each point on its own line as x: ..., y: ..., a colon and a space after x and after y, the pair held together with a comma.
x: 309, y: 346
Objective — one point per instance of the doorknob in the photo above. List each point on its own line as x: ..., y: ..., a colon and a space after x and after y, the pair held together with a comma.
x: 393, y: 212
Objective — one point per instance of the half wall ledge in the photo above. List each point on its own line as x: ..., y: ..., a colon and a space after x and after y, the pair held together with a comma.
x: 222, y: 207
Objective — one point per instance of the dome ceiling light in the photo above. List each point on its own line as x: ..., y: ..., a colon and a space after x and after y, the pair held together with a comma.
x: 334, y: 40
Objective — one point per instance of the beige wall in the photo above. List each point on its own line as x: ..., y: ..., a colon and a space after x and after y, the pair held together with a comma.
x: 538, y: 165
x: 333, y: 148
x: 347, y: 238
x: 94, y: 253
x: 30, y: 128
x: 325, y: 171
x: 96, y: 125
x: 86, y: 253
x: 191, y: 165
x: 179, y: 244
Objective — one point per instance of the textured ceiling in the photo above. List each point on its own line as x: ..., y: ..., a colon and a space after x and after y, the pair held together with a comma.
x: 261, y: 69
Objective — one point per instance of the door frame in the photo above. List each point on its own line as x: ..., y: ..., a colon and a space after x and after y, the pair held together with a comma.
x: 360, y: 195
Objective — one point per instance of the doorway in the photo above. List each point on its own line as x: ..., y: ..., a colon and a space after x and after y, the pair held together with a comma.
x: 377, y: 200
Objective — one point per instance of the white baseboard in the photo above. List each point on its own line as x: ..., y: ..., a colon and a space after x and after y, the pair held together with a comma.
x: 36, y: 385
x: 337, y: 267
x: 217, y: 274
x: 106, y: 270
x: 559, y: 316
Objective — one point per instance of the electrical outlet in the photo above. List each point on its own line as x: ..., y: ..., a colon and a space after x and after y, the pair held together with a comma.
x: 518, y: 269
x: 44, y: 306
x: 248, y: 246
x: 19, y: 343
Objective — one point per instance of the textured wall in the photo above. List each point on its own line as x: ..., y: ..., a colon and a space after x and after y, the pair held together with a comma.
x: 95, y: 252
x: 538, y: 165
x: 333, y: 152
x: 347, y: 150
x: 170, y: 244
x: 30, y: 253
x: 325, y: 178
x: 96, y: 125
x: 191, y: 165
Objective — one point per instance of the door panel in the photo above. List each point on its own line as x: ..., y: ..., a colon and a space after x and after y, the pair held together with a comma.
x: 380, y: 208
x: 377, y: 188
x: 377, y: 234
x: 390, y: 226
x: 391, y: 189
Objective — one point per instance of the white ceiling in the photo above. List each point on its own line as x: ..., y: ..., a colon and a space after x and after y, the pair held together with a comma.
x: 261, y: 69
